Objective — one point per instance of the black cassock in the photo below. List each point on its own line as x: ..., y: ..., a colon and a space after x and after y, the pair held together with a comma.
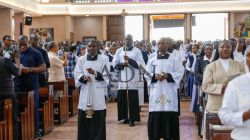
x: 163, y: 125
x: 134, y: 114
x: 163, y: 122
x: 94, y: 128
x: 122, y: 105
x: 91, y: 128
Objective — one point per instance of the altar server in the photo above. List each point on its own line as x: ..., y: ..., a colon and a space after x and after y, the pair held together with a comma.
x: 90, y: 72
x: 128, y: 61
x: 165, y: 73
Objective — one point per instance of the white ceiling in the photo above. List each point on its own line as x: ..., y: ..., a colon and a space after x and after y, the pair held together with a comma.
x: 33, y: 7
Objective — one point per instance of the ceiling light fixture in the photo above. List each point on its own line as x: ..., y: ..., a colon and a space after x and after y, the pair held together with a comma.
x: 44, y: 1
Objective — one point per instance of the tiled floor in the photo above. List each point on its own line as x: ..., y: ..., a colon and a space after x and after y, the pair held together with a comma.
x: 118, y: 131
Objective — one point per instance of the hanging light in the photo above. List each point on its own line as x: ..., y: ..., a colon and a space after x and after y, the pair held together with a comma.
x: 44, y: 1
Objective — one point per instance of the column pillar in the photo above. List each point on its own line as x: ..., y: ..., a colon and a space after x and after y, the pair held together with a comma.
x: 69, y: 28
x: 231, y: 25
x: 18, y: 25
x: 6, y: 27
x: 104, y: 27
x: 146, y: 27
x: 188, y: 27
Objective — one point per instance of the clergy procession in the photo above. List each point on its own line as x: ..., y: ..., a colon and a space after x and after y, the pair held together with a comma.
x: 50, y: 81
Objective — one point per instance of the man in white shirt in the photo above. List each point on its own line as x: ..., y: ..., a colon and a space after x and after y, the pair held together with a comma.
x: 56, y: 70
x: 6, y: 46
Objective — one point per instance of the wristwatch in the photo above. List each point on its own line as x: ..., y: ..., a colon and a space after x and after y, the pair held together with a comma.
x: 30, y: 70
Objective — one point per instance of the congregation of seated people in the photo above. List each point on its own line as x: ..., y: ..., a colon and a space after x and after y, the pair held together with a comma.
x: 51, y: 80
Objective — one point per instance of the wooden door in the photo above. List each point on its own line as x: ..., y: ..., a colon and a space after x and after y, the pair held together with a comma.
x: 115, y: 28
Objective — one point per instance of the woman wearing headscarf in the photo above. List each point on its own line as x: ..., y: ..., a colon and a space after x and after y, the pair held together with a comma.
x: 238, y: 53
x: 201, y: 62
x: 190, y: 67
x: 216, y: 75
x: 247, y: 42
x: 235, y: 110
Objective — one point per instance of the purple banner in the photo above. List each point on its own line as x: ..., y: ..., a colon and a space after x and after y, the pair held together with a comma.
x: 124, y: 0
x: 146, y: 0
x: 167, y: 0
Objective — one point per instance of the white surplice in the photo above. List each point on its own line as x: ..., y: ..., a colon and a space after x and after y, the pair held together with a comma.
x: 163, y: 94
x: 105, y: 85
x: 236, y: 101
x: 97, y: 89
x: 133, y: 74
x: 141, y: 91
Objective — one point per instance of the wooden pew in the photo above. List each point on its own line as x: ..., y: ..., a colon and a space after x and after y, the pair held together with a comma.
x: 46, y: 99
x: 3, y: 132
x: 73, y: 96
x: 220, y: 132
x: 27, y: 120
x: 6, y: 120
x: 213, y: 119
x: 61, y: 113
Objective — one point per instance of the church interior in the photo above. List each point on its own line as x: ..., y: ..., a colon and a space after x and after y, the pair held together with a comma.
x: 124, y: 69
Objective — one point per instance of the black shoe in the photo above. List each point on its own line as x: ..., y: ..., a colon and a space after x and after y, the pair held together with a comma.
x: 38, y: 134
x: 125, y: 121
x: 131, y: 123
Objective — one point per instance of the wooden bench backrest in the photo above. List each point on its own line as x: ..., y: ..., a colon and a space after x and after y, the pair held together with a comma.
x: 63, y: 85
x: 219, y: 134
x: 71, y: 82
x: 46, y: 91
x: 27, y: 127
x: 47, y: 109
x: 63, y: 101
x: 7, y: 120
x: 3, y: 132
x: 211, y: 118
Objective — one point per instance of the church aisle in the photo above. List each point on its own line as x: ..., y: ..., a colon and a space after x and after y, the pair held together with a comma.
x: 115, y: 131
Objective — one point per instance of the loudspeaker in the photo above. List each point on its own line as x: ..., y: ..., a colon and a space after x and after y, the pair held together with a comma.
x: 28, y: 20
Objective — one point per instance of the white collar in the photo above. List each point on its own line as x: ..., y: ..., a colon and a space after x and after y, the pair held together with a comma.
x: 193, y: 54
x: 53, y: 53
x: 205, y: 58
x: 110, y: 54
x: 225, y: 60
x: 225, y: 64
